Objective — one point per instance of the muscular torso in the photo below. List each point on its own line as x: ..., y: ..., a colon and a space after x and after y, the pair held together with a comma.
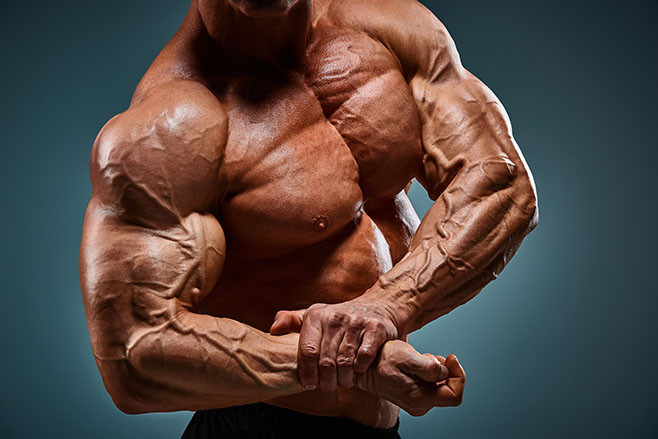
x: 312, y: 183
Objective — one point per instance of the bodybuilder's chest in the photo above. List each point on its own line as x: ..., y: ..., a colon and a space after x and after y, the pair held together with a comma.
x: 305, y: 151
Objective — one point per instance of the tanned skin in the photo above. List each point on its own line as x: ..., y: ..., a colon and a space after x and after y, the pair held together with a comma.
x: 249, y: 237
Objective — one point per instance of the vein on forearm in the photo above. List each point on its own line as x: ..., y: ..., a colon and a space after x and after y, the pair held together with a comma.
x: 482, y: 210
x: 464, y: 243
x: 142, y: 311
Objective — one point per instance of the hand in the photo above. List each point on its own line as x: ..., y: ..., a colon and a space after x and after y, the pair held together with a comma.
x: 336, y: 341
x: 414, y: 382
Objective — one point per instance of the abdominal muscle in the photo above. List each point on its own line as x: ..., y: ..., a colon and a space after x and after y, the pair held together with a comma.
x: 336, y: 270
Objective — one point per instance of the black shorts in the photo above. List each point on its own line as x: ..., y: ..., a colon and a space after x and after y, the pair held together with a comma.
x: 264, y: 421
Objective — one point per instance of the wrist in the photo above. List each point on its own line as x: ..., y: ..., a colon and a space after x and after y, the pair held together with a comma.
x: 392, y: 306
x: 367, y: 381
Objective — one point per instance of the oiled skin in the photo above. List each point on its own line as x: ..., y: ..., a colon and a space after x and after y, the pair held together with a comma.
x: 233, y: 188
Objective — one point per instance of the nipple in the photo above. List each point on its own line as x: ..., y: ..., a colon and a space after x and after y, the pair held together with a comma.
x: 321, y: 223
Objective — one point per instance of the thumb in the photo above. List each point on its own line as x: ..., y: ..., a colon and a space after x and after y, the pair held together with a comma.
x: 427, y: 367
x: 287, y: 321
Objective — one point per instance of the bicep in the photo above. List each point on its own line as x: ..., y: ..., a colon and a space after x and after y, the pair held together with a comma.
x: 150, y: 238
x: 133, y: 277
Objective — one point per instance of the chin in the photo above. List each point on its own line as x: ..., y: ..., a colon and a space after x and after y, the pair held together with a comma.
x: 263, y: 8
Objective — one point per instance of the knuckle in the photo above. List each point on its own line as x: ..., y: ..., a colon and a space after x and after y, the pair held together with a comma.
x: 337, y: 319
x: 311, y: 313
x: 367, y: 353
x: 378, y: 326
x: 326, y: 363
x: 343, y: 361
x: 309, y: 352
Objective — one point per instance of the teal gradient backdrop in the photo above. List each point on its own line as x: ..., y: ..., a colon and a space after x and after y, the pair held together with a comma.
x: 563, y: 344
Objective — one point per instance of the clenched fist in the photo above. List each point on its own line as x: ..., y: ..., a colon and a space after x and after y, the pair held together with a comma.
x: 336, y: 341
x: 412, y: 381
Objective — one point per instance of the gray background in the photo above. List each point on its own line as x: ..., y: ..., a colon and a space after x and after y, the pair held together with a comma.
x: 561, y: 345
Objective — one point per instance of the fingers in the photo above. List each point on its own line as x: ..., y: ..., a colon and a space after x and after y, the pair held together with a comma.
x: 332, y: 336
x: 372, y: 340
x: 287, y: 321
x: 309, y: 353
x: 442, y: 385
x: 456, y: 369
x: 336, y: 341
x: 451, y: 392
x: 346, y: 355
x: 426, y: 367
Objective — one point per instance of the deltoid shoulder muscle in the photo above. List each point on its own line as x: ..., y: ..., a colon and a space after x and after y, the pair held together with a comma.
x: 159, y: 160
x: 150, y: 234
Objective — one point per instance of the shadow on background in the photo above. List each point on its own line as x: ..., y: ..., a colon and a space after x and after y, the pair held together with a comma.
x: 561, y: 345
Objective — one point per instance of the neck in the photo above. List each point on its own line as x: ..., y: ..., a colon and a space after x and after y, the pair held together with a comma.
x: 224, y: 34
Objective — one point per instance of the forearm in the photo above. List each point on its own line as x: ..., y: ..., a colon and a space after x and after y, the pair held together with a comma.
x: 485, y: 198
x: 463, y: 242
x: 140, y: 289
x: 189, y: 361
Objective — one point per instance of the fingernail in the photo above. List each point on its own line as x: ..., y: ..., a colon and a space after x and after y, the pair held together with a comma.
x: 310, y: 387
x: 444, y: 373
